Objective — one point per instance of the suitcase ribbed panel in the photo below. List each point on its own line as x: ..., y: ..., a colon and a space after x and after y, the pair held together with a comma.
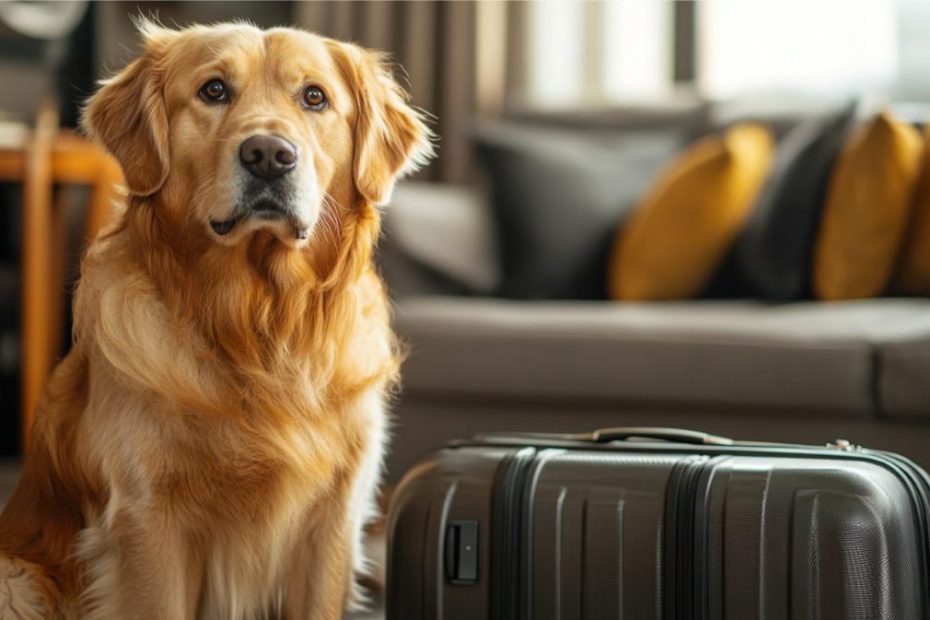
x: 511, y: 485
x: 406, y: 570
x: 598, y: 529
x: 602, y: 570
x: 805, y: 539
x: 460, y: 486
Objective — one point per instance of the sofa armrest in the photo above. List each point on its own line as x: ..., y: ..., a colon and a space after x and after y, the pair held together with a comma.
x: 446, y: 232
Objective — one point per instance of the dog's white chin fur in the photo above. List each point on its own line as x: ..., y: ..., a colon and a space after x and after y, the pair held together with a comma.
x: 19, y: 597
x: 285, y: 230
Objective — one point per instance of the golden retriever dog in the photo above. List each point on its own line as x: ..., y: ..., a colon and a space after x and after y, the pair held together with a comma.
x: 211, y: 446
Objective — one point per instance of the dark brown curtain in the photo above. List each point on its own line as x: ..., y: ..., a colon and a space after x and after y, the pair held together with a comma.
x: 434, y: 44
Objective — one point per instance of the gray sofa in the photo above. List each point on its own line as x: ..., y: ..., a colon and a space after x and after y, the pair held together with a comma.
x: 802, y: 372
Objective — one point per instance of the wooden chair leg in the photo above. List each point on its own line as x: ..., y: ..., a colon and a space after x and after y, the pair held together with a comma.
x: 36, y: 265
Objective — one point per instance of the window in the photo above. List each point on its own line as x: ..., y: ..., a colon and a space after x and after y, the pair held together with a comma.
x: 582, y: 53
x: 637, y: 49
x: 791, y: 45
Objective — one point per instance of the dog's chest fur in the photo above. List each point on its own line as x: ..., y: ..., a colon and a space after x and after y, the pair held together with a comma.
x: 237, y: 494
x: 246, y: 495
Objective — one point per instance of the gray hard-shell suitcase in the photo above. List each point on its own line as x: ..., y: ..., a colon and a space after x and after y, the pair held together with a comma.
x: 681, y: 525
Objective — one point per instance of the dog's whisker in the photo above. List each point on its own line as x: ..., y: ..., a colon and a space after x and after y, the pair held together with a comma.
x: 329, y: 226
x: 332, y: 200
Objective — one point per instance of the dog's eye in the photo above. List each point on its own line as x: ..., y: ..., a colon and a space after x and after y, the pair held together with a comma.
x: 214, y: 91
x: 314, y: 98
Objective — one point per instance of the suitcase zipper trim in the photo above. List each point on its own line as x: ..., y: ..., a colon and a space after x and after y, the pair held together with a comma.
x: 525, y: 576
x: 678, y: 552
x: 683, y: 524
x: 507, y: 530
x: 710, y: 468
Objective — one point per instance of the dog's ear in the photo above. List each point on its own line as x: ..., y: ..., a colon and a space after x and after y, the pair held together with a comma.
x: 391, y: 137
x: 128, y: 115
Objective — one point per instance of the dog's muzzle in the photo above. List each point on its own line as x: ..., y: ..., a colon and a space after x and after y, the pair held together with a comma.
x: 268, y: 159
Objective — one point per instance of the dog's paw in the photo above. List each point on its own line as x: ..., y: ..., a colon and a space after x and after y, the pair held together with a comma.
x: 357, y: 599
x: 365, y: 591
x: 20, y: 598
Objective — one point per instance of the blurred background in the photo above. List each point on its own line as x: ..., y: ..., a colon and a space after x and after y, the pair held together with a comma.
x: 558, y: 121
x: 464, y: 59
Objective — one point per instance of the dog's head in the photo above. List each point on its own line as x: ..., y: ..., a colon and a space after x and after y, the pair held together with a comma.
x: 235, y: 129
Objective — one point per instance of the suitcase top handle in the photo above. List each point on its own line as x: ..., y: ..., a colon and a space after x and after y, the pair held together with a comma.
x: 677, y: 435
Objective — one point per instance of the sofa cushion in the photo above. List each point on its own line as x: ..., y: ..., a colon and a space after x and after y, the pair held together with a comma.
x: 698, y: 353
x: 439, y: 238
x: 905, y: 378
x: 678, y: 236
x: 774, y: 251
x: 912, y: 276
x: 867, y: 210
x: 558, y: 197
x: 904, y: 364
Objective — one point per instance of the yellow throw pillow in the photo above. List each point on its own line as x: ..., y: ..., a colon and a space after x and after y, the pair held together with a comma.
x: 913, y: 273
x: 867, y: 210
x: 676, y: 239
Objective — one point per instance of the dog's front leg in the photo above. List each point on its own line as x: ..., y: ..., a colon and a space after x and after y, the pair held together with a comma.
x: 322, y: 582
x: 317, y: 587
x: 139, y: 567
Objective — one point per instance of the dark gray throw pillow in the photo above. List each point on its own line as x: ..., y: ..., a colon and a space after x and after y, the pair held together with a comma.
x: 773, y: 254
x: 558, y: 198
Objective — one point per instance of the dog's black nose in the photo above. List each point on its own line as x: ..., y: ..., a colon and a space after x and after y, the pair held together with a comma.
x: 268, y: 157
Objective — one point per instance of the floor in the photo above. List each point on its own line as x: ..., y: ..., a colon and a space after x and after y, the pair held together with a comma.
x: 9, y: 473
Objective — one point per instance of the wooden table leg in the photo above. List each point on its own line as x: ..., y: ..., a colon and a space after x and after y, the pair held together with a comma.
x: 58, y: 269
x: 100, y: 208
x: 36, y: 259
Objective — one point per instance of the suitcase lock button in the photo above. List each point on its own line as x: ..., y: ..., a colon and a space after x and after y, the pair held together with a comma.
x: 461, y: 552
